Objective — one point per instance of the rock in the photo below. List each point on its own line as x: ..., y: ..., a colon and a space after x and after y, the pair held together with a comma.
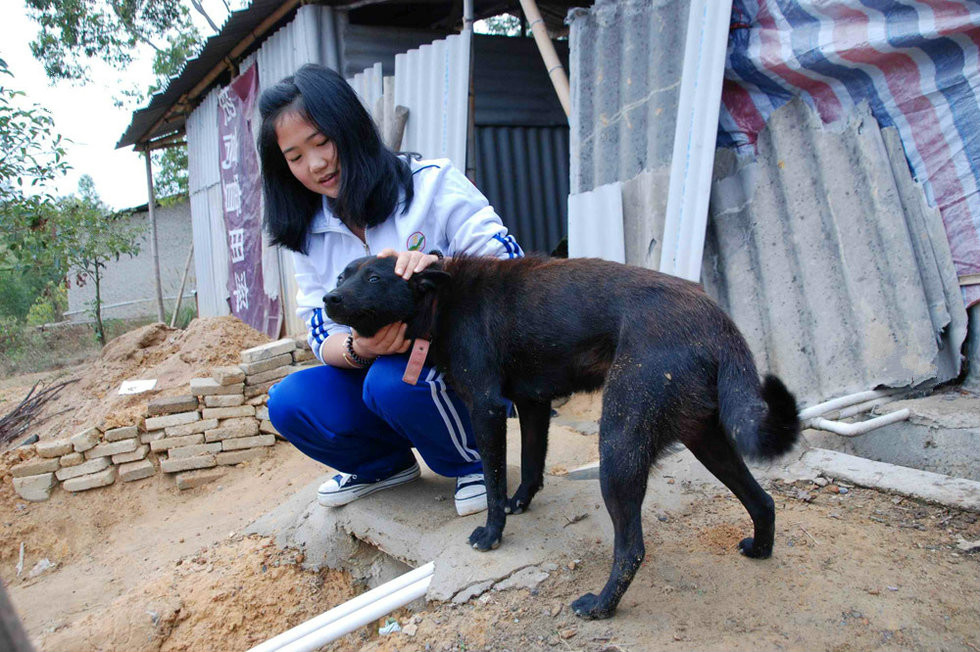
x: 237, y: 443
x: 410, y: 630
x: 568, y: 633
x: 54, y: 448
x: 113, y: 448
x: 175, y: 442
x: 171, y: 405
x: 191, y: 479
x: 237, y: 457
x: 195, y: 428
x: 102, y: 478
x: 227, y: 375
x: 223, y: 400
x: 36, y: 466
x: 188, y: 463
x: 555, y: 610
x: 35, y: 488
x: 269, y: 350
x: 229, y: 412
x: 209, y: 387
x: 134, y: 456
x: 138, y: 470
x: 270, y: 375
x: 251, y: 368
x: 171, y: 420
x: 86, y: 439
x: 27, y: 442
x: 833, y: 489
x: 191, y: 451
x: 240, y: 427
x: 86, y: 468
x: 71, y: 459
x: 820, y: 482
x: 118, y: 434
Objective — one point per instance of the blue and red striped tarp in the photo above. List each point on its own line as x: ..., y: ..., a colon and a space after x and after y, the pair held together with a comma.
x: 916, y: 65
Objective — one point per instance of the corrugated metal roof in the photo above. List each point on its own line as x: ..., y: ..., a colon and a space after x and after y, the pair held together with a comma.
x: 824, y: 252
x: 626, y: 70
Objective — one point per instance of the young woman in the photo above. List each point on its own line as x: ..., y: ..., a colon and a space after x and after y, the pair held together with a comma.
x: 333, y: 193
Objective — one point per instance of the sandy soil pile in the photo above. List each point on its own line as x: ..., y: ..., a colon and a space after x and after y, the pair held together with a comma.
x: 227, y: 597
x: 170, y: 355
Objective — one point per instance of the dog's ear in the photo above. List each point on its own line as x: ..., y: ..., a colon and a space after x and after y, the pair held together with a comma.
x: 430, y: 278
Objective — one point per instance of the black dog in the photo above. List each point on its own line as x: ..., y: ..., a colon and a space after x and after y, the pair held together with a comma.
x: 673, y: 365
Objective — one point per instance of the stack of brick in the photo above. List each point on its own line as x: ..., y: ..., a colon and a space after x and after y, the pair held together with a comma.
x: 267, y: 364
x: 88, y: 460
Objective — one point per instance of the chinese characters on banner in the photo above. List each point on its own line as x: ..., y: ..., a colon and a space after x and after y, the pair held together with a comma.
x: 242, y: 196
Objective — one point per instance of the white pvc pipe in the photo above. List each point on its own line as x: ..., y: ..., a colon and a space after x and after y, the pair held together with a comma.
x: 854, y: 429
x: 365, y: 600
x: 695, y: 134
x: 867, y: 406
x: 368, y: 613
x: 844, y: 401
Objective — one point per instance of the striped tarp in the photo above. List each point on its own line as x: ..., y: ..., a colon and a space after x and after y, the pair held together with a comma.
x: 914, y: 63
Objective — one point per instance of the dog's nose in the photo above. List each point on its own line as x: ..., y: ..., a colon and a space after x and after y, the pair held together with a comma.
x: 332, y: 299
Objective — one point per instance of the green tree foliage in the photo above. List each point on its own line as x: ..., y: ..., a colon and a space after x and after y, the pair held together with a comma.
x: 88, y: 237
x: 31, y: 156
x: 72, y: 33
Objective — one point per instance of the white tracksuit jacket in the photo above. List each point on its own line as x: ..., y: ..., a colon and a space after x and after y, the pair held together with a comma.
x: 447, y: 213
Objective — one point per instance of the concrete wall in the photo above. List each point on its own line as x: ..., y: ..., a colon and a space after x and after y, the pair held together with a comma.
x: 128, y: 287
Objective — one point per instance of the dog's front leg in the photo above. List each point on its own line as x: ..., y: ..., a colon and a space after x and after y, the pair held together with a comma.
x: 489, y: 417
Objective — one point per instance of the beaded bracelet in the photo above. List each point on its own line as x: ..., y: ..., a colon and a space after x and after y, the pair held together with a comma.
x: 355, y: 360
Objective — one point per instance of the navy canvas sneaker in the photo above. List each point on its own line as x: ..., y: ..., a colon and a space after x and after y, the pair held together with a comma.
x: 345, y: 487
x: 471, y: 494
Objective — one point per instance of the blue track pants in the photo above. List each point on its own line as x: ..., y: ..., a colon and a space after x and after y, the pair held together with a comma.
x: 366, y: 422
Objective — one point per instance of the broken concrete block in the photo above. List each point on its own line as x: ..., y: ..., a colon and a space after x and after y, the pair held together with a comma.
x: 252, y: 368
x: 237, y: 443
x: 40, y: 465
x: 175, y: 442
x: 210, y: 387
x: 86, y: 468
x: 125, y: 458
x: 303, y: 355
x: 171, y: 420
x: 35, y: 488
x: 188, y: 463
x: 113, y: 448
x: 86, y: 439
x: 54, y: 448
x: 118, y: 434
x: 153, y: 435
x: 171, y: 405
x: 191, y: 479
x: 261, y: 399
x: 272, y: 374
x: 244, y: 427
x: 103, y: 478
x: 264, y: 351
x: 191, y: 451
x: 223, y: 400
x: 191, y: 428
x: 239, y: 456
x: 228, y: 412
x: 255, y: 390
x: 227, y: 375
x: 262, y: 413
x: 136, y: 470
x: 266, y: 426
x: 72, y: 459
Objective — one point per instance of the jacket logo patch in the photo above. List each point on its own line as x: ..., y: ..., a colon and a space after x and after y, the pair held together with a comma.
x: 416, y: 241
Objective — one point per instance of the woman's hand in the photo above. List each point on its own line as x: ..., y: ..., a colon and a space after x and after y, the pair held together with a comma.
x: 408, y: 262
x: 387, y: 341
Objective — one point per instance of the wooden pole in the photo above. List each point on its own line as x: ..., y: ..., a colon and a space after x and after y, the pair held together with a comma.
x: 556, y: 71
x: 183, y: 281
x: 154, y: 247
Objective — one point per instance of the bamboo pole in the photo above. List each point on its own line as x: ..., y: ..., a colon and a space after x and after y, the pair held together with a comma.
x: 183, y: 281
x: 556, y: 71
x: 154, y: 247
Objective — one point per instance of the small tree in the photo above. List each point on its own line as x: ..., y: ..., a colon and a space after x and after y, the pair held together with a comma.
x: 88, y: 237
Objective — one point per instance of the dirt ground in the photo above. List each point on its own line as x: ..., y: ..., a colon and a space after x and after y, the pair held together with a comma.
x: 145, y: 567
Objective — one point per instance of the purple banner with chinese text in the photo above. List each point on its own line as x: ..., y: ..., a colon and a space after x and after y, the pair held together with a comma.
x: 241, y: 192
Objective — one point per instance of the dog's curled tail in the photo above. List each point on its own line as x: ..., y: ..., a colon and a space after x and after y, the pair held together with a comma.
x: 763, y: 429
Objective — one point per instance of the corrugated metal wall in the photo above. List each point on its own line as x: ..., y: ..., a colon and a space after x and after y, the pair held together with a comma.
x: 369, y: 85
x: 432, y: 82
x: 626, y: 60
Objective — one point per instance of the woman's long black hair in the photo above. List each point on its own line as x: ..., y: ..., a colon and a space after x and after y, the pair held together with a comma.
x: 371, y: 175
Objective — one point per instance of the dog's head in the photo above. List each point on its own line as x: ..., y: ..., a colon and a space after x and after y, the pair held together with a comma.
x: 369, y: 295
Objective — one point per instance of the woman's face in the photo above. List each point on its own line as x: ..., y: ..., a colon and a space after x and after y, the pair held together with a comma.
x: 311, y: 156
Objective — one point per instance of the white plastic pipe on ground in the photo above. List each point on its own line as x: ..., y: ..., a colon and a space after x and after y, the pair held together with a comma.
x: 854, y: 429
x: 844, y: 401
x: 354, y: 613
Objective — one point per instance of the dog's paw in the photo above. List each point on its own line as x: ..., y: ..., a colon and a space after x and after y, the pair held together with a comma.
x: 748, y: 548
x: 484, y: 539
x: 587, y: 607
x: 516, y: 505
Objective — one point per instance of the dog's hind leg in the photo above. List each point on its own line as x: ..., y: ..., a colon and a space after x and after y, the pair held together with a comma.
x: 717, y: 452
x: 625, y: 459
x: 535, y: 417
